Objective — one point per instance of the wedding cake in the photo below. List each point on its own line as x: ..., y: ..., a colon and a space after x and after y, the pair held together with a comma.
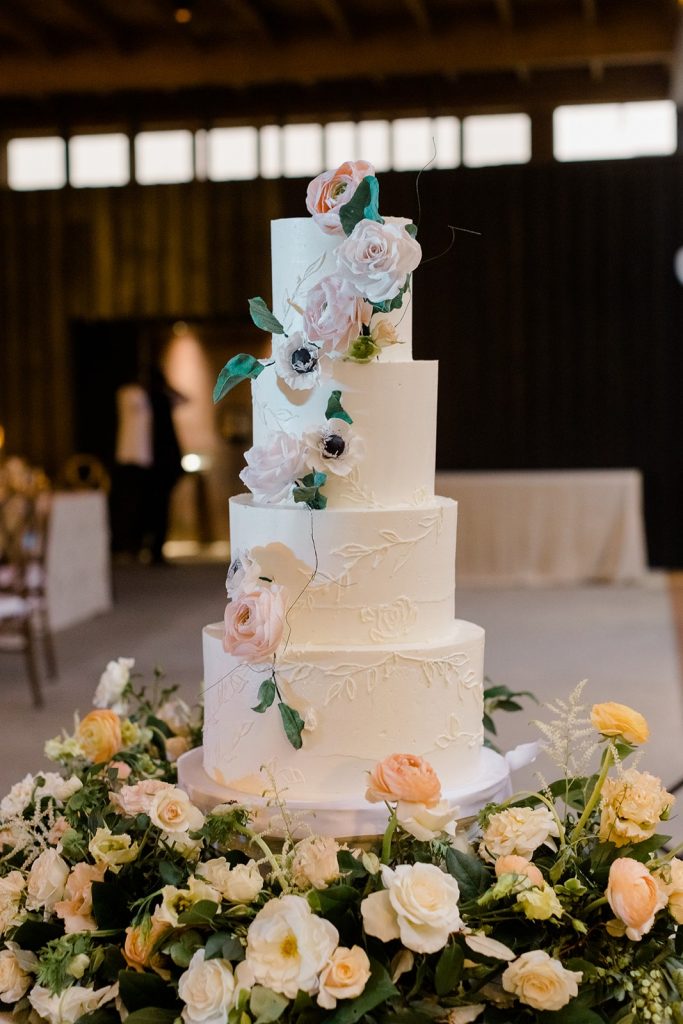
x: 340, y: 645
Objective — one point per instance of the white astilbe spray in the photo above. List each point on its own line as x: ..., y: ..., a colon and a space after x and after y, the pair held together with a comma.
x: 570, y: 739
x: 28, y: 837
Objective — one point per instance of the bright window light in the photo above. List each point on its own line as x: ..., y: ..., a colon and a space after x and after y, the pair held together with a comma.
x: 36, y: 163
x: 232, y: 154
x: 302, y: 149
x: 340, y: 143
x: 496, y: 139
x: 99, y: 160
x: 446, y: 133
x: 271, y: 162
x: 606, y: 131
x: 374, y: 144
x: 162, y: 158
x: 412, y: 146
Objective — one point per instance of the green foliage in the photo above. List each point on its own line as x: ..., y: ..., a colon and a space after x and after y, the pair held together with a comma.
x: 263, y: 317
x: 266, y: 695
x: 221, y: 827
x: 334, y: 408
x: 151, y: 1015
x: 56, y: 958
x: 307, y: 490
x: 293, y: 724
x: 363, y: 205
x: 449, y: 969
x: 33, y: 934
x: 240, y: 367
x: 140, y: 991
x: 200, y: 913
x: 266, y: 1005
x: 469, y: 872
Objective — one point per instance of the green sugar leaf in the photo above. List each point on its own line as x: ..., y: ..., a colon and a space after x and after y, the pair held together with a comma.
x: 412, y: 230
x: 237, y: 369
x: 334, y: 408
x: 395, y: 303
x: 266, y: 696
x: 363, y: 205
x: 293, y: 724
x: 307, y: 490
x: 264, y: 317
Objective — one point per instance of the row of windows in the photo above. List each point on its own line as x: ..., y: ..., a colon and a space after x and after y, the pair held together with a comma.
x: 301, y: 150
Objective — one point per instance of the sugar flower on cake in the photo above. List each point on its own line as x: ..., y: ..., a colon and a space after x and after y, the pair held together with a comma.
x: 377, y: 259
x: 255, y: 622
x: 335, y: 313
x: 331, y: 189
x: 243, y: 574
x: 272, y: 468
x: 334, y: 447
x: 297, y: 361
x: 419, y: 905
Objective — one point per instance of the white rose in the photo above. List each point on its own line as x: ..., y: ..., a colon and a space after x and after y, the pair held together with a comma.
x: 15, y: 979
x: 517, y: 830
x: 240, y: 884
x: 344, y: 977
x: 424, y: 822
x: 52, y: 784
x: 19, y: 797
x: 46, y: 880
x: 288, y: 946
x: 465, y: 1014
x: 377, y: 258
x: 173, y: 811
x: 113, y: 684
x: 11, y: 891
x: 272, y: 468
x: 315, y: 862
x: 419, y: 905
x: 540, y: 981
x: 73, y: 1003
x: 207, y: 989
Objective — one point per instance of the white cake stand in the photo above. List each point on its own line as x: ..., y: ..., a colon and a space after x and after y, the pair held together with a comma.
x: 343, y: 819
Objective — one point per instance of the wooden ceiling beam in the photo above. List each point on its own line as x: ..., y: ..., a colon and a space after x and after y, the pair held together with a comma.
x: 632, y: 37
x: 334, y: 13
x: 418, y: 12
x: 249, y: 16
x: 590, y: 11
x: 504, y: 10
x: 15, y: 23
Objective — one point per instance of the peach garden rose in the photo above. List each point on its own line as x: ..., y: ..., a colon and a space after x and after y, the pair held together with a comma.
x: 254, y: 624
x: 404, y: 777
x: 331, y: 190
x: 512, y: 864
x: 634, y: 895
x: 75, y: 909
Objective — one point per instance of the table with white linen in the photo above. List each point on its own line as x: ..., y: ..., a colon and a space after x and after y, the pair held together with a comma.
x: 547, y: 527
x: 78, y: 567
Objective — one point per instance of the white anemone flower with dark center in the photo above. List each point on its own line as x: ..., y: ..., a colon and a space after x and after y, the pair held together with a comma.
x: 297, y: 361
x: 333, y: 447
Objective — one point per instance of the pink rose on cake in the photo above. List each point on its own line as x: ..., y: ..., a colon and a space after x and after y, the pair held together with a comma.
x: 333, y: 448
x: 335, y: 313
x: 377, y: 259
x: 255, y: 622
x: 272, y: 468
x: 331, y: 189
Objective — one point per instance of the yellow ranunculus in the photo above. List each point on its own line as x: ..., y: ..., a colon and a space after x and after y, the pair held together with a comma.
x: 99, y: 735
x: 612, y: 719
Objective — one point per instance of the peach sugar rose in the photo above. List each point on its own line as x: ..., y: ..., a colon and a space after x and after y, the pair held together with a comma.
x: 404, y: 777
x: 254, y: 623
x: 332, y: 189
x: 99, y: 734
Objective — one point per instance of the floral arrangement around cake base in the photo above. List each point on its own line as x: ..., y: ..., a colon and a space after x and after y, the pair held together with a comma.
x: 120, y: 900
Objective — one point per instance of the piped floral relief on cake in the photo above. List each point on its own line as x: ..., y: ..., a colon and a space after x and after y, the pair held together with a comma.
x: 390, y: 621
x: 455, y: 734
x: 372, y: 555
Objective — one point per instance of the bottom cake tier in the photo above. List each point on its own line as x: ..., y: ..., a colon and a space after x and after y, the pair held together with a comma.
x: 359, y: 705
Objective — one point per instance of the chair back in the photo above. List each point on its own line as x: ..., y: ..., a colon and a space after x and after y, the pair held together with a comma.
x: 23, y: 541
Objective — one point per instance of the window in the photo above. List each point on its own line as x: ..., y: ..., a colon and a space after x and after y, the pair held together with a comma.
x: 615, y: 130
x: 412, y: 143
x: 340, y: 143
x: 232, y: 154
x: 446, y: 132
x: 162, y: 158
x: 374, y: 144
x: 302, y: 150
x: 496, y: 139
x: 36, y: 163
x: 271, y: 163
x: 98, y: 160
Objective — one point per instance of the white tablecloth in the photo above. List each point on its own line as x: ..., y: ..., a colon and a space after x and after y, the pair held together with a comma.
x: 78, y: 563
x: 547, y: 527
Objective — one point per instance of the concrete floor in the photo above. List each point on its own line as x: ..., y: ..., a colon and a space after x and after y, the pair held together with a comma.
x: 621, y: 638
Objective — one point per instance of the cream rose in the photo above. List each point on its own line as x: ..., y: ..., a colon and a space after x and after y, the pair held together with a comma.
x: 384, y: 333
x: 332, y: 189
x: 112, y: 850
x: 612, y: 719
x: 176, y: 746
x: 138, y: 799
x: 404, y: 777
x: 206, y: 988
x: 344, y: 977
x: 76, y: 909
x: 466, y: 1014
x: 315, y: 862
x: 172, y: 810
x: 73, y: 1002
x: 288, y: 946
x: 99, y: 735
x: 46, y: 881
x: 377, y: 259
x: 254, y: 624
x: 634, y: 895
x: 515, y: 865
x: 419, y: 905
x: 335, y: 313
x: 424, y: 822
x: 272, y: 468
x: 517, y: 830
x: 540, y: 981
x: 113, y: 685
x: 632, y: 805
x: 240, y: 884
x: 12, y: 888
x: 18, y: 799
x: 15, y: 977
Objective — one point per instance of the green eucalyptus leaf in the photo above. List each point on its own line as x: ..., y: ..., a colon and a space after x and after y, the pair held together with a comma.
x: 350, y: 865
x: 264, y: 317
x: 139, y: 990
x: 469, y: 872
x: 266, y: 695
x: 293, y: 724
x: 334, y: 410
x: 240, y: 367
x: 266, y: 1005
x: 169, y: 873
x: 363, y: 205
x: 449, y: 969
x: 202, y: 912
x: 105, y: 1015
